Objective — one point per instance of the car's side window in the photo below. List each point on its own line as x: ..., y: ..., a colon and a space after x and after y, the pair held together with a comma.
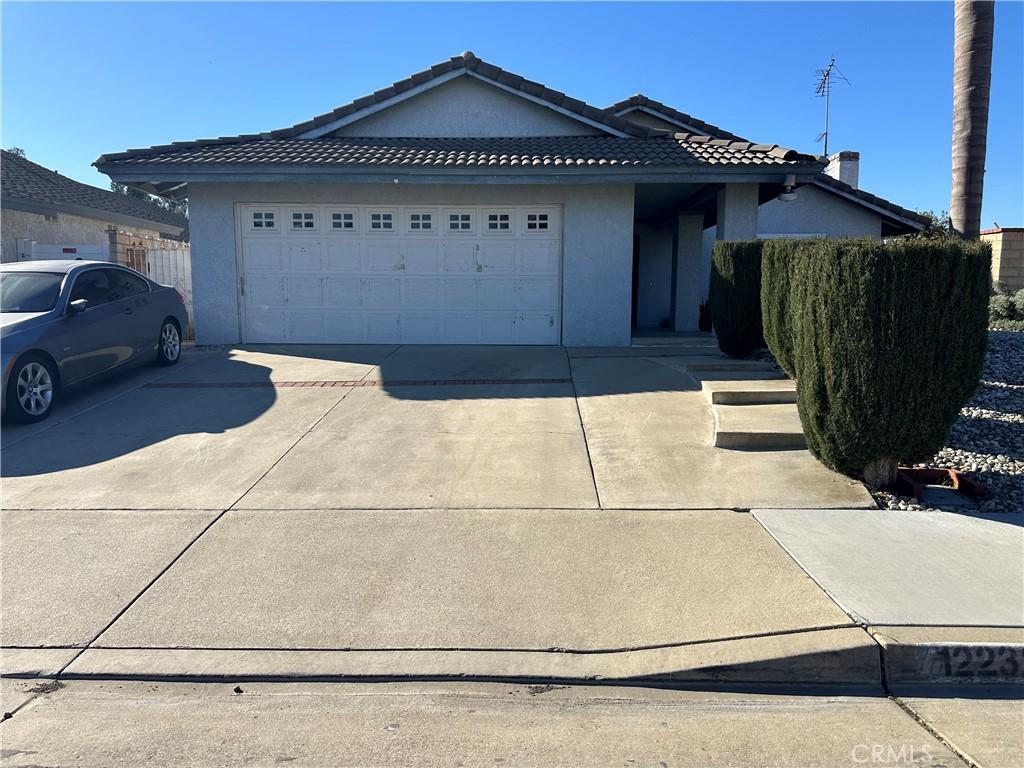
x: 100, y: 286
x: 124, y: 284
x: 93, y: 286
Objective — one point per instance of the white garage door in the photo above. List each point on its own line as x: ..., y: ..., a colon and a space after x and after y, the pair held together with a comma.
x: 441, y: 275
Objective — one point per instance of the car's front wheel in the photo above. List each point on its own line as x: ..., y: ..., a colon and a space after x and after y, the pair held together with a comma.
x: 32, y: 389
x: 168, y: 349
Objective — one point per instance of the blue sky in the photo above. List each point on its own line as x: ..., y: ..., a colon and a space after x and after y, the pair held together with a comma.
x: 82, y: 79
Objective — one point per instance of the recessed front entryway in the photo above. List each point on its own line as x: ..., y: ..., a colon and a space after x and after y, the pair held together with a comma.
x: 443, y: 274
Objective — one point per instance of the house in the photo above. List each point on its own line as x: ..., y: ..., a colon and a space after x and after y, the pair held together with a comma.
x: 830, y: 205
x: 464, y: 204
x: 46, y: 215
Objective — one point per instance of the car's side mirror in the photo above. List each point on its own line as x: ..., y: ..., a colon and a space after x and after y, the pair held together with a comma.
x: 77, y: 306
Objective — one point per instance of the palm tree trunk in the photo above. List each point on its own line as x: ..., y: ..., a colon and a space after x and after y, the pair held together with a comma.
x: 972, y: 77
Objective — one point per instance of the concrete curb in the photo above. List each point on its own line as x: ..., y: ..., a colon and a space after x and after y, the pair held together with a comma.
x: 959, y: 657
x: 843, y: 656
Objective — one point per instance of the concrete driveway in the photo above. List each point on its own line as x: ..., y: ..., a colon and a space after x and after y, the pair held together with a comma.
x: 409, y: 510
x: 367, y: 427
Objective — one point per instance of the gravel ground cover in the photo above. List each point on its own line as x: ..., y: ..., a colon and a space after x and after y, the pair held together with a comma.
x: 987, y: 440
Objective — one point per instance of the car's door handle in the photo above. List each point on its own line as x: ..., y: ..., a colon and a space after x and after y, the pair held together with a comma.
x: 128, y: 310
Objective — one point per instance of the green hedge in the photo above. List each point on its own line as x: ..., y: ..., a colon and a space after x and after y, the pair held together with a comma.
x: 889, y: 341
x: 735, y: 296
x: 778, y: 265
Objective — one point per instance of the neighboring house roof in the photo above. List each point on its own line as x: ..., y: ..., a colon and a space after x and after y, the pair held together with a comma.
x: 899, y: 218
x: 621, y: 144
x: 887, y: 209
x: 639, y: 102
x: 25, y: 185
x: 678, y: 149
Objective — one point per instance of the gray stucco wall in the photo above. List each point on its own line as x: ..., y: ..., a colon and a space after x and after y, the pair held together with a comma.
x: 814, y: 212
x: 466, y: 107
x: 65, y: 229
x: 817, y: 212
x: 597, y: 245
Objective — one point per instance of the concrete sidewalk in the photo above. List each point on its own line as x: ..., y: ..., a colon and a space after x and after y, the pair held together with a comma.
x: 443, y: 724
x: 941, y: 592
x: 529, y: 594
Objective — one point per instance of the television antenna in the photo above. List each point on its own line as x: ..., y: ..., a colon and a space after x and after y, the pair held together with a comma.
x: 824, y: 90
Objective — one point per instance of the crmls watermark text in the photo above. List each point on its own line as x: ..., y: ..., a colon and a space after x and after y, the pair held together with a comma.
x: 891, y: 754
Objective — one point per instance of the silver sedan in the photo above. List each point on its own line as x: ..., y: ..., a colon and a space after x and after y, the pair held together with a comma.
x: 65, y: 323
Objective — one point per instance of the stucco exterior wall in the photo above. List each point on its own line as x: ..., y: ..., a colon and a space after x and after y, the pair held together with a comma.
x: 817, y: 212
x: 466, y: 107
x: 597, y: 245
x: 63, y: 229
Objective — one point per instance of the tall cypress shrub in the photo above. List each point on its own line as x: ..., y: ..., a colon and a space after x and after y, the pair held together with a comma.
x: 778, y: 265
x: 890, y: 341
x: 735, y: 296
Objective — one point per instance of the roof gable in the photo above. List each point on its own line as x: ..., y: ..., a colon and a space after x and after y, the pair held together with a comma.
x: 465, y: 64
x: 465, y: 106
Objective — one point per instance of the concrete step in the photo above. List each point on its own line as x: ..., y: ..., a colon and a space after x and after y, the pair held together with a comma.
x: 738, y: 376
x: 749, y: 391
x: 698, y: 342
x: 758, y: 427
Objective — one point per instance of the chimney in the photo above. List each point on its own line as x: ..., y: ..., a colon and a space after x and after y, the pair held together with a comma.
x: 844, y: 166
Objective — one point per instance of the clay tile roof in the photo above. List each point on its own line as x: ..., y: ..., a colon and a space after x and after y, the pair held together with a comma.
x: 25, y: 181
x: 680, y: 150
x: 639, y: 100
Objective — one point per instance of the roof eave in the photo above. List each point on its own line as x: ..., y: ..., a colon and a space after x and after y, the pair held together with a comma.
x: 44, y: 208
x: 140, y: 173
x: 911, y: 221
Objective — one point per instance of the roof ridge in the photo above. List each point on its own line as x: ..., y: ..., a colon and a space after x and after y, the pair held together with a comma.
x: 642, y: 100
x: 466, y: 60
x: 783, y: 153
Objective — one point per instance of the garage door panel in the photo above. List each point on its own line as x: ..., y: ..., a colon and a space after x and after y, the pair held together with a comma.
x: 497, y: 293
x: 420, y: 327
x: 540, y: 257
x: 382, y: 327
x: 384, y: 257
x: 303, y: 291
x: 422, y: 257
x: 305, y: 327
x: 305, y: 257
x: 383, y: 292
x: 344, y: 257
x: 263, y: 257
x: 265, y: 325
x: 342, y: 284
x: 498, y: 328
x: 423, y: 292
x: 498, y: 257
x: 460, y: 258
x: 536, y: 329
x: 265, y: 291
x: 460, y: 293
x: 460, y: 328
x: 342, y: 327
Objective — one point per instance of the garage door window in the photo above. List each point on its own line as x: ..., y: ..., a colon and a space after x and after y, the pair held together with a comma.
x: 303, y: 220
x: 344, y: 221
x: 460, y: 222
x: 499, y: 222
x: 421, y: 222
x: 382, y: 221
x: 537, y: 222
x: 263, y: 220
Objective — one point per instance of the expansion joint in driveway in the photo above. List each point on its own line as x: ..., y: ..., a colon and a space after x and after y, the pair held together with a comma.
x: 583, y: 430
x: 198, y: 536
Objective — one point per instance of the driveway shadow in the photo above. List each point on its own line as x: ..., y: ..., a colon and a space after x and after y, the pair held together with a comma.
x: 127, y: 417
